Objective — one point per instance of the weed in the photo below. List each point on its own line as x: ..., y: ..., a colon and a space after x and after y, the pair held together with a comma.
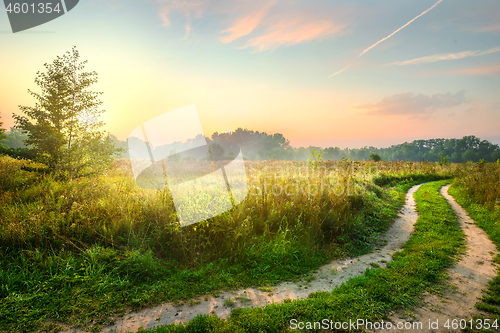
x: 228, y: 302
x: 193, y: 302
x: 243, y: 299
x: 309, y: 278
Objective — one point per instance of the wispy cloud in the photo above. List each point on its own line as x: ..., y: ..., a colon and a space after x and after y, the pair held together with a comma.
x: 267, y: 24
x: 481, y: 70
x: 410, y: 104
x: 291, y: 31
x: 283, y: 23
x: 188, y: 29
x: 245, y: 25
x: 190, y: 8
x: 398, y: 30
x: 446, y: 56
x: 493, y: 27
x: 468, y: 71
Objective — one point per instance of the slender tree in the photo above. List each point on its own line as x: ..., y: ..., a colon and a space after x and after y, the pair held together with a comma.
x: 2, y: 132
x: 63, y: 128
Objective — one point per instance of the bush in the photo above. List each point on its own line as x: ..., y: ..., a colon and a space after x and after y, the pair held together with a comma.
x: 375, y: 157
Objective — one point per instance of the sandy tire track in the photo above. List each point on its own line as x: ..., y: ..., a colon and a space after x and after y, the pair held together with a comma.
x: 326, y: 278
x: 466, y: 280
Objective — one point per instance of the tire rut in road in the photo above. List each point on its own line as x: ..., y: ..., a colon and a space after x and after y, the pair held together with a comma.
x: 466, y: 279
x: 325, y: 279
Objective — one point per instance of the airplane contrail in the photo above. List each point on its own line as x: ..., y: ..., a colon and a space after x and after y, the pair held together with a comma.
x: 386, y: 38
x: 340, y: 71
x: 404, y: 26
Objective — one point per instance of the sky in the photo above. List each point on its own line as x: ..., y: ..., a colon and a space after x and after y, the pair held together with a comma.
x: 327, y: 73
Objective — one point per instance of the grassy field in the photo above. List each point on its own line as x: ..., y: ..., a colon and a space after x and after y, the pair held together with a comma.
x: 420, y: 266
x: 78, y: 252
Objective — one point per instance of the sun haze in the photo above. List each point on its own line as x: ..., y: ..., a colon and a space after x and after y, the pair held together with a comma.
x: 322, y: 73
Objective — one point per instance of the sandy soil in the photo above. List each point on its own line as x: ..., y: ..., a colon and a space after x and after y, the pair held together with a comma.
x: 466, y: 280
x: 325, y: 279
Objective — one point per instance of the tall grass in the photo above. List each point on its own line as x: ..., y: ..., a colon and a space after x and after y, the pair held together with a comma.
x: 480, y: 182
x: 317, y: 204
x: 82, y: 250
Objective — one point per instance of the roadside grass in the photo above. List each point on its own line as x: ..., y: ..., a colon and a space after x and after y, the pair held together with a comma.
x: 420, y: 266
x: 477, y: 189
x: 81, y: 252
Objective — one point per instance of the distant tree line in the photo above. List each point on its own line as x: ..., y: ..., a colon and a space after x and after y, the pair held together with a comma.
x: 469, y: 148
x: 263, y: 146
x: 257, y: 145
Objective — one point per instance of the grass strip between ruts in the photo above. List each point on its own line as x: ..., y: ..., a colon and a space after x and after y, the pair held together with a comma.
x: 420, y: 265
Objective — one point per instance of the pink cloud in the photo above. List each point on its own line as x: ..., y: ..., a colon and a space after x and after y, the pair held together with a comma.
x: 481, y: 70
x: 188, y: 7
x: 494, y: 27
x: 410, y: 104
x: 468, y: 71
x: 291, y: 31
x: 267, y: 24
x: 245, y: 25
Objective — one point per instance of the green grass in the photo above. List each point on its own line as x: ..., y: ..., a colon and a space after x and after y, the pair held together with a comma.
x: 432, y: 248
x: 476, y: 190
x: 81, y: 252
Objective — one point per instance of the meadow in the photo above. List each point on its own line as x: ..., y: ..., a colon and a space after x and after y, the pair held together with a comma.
x: 78, y: 252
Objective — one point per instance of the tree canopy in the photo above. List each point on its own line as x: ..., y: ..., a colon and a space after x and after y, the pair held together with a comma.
x: 262, y: 146
x: 63, y: 128
x: 375, y: 157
